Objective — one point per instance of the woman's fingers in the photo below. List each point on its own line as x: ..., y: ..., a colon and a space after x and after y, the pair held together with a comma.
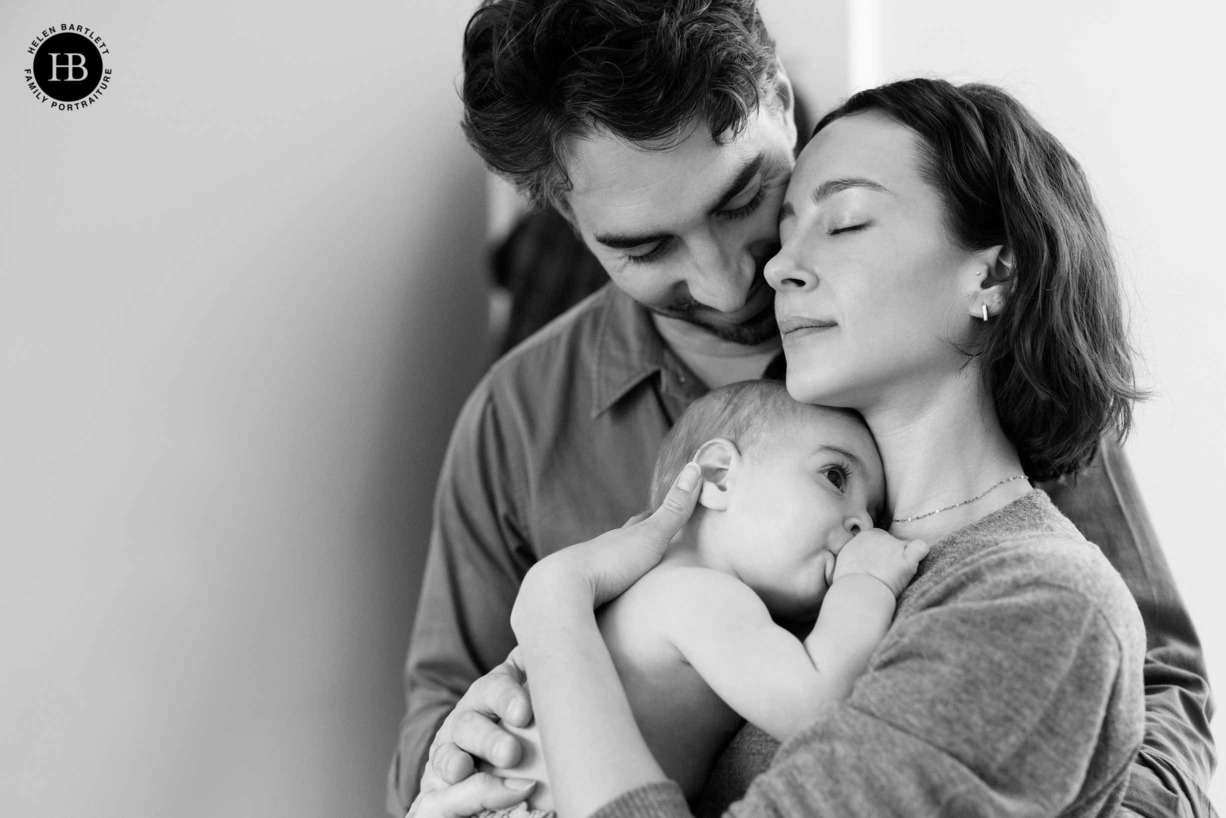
x: 602, y: 568
x: 677, y: 506
x: 636, y: 519
x: 616, y: 560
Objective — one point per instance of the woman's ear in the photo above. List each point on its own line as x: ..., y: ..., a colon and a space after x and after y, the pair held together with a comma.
x: 718, y: 458
x: 994, y: 282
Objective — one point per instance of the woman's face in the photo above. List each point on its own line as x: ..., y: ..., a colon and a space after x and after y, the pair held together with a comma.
x: 870, y: 289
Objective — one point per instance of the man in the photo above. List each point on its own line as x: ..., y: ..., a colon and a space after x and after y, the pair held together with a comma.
x: 664, y: 133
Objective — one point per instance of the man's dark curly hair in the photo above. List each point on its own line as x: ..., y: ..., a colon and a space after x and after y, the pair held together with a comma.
x: 1056, y: 360
x: 539, y: 73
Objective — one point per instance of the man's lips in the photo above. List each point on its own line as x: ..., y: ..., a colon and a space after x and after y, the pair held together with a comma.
x: 795, y: 323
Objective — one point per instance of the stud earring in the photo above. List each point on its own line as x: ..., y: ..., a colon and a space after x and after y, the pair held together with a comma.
x: 985, y: 312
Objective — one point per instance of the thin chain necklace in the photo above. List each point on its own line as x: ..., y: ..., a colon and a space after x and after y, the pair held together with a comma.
x: 964, y: 502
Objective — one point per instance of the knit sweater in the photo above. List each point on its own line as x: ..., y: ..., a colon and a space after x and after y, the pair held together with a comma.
x: 1008, y: 684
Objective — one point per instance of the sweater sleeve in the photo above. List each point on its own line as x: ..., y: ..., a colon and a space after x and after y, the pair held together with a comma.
x: 995, y: 697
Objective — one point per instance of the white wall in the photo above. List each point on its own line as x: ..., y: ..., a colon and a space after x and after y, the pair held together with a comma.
x: 241, y: 298
x: 1134, y: 90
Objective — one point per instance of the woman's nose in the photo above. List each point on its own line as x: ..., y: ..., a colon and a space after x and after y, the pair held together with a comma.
x: 784, y: 272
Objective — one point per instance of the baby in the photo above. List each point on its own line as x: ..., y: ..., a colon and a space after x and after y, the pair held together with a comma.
x: 723, y: 628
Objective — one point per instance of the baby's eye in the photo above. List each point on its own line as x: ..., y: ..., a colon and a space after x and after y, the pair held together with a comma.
x: 837, y: 475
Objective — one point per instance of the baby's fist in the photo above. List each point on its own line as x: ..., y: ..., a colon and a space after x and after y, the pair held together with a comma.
x: 879, y: 554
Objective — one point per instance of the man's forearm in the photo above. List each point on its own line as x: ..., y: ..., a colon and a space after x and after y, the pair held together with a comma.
x: 1177, y: 757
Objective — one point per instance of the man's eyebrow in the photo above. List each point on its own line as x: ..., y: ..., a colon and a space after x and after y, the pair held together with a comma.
x: 747, y: 172
x: 827, y: 189
x: 626, y: 241
x: 621, y: 241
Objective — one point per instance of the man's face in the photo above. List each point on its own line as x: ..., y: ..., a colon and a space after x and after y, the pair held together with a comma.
x: 687, y: 231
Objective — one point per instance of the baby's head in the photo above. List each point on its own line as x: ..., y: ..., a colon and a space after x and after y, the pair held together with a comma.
x: 785, y: 486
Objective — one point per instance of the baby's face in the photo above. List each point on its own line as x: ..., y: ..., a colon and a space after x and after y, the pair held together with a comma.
x: 801, y: 493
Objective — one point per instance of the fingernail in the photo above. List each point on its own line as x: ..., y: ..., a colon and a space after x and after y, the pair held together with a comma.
x: 689, y: 476
x: 505, y: 749
x: 519, y: 784
x: 520, y: 714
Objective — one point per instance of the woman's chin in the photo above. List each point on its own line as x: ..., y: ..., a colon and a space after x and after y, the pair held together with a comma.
x: 807, y: 386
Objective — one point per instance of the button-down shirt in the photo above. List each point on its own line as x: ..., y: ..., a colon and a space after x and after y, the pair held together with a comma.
x: 556, y: 445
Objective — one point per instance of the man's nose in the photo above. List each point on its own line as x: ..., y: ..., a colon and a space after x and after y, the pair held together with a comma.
x: 721, y: 277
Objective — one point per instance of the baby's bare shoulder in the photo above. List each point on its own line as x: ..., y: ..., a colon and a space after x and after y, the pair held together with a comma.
x: 673, y: 591
x: 669, y: 602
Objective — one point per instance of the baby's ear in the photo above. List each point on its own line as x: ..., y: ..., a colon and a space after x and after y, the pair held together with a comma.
x: 718, y: 459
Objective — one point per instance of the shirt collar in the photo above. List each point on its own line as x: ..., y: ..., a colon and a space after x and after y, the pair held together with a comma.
x: 628, y: 350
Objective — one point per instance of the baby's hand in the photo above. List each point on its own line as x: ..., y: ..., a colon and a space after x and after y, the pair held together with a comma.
x: 880, y: 554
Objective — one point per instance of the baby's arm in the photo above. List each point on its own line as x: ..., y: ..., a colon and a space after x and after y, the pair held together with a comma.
x: 869, y: 574
x: 763, y: 672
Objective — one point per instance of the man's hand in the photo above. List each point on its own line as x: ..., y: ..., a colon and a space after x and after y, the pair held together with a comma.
x: 451, y: 785
x: 880, y: 554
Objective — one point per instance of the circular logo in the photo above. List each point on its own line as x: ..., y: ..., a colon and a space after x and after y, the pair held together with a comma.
x: 67, y: 67
x: 67, y: 72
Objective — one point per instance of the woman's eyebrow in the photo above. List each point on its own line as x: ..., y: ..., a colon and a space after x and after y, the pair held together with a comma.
x: 827, y: 189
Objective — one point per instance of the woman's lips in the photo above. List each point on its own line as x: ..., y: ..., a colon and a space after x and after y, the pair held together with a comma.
x: 801, y: 325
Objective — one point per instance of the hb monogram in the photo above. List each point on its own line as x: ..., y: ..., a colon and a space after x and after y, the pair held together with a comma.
x: 71, y: 65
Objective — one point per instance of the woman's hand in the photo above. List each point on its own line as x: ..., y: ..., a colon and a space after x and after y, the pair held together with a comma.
x: 592, y: 573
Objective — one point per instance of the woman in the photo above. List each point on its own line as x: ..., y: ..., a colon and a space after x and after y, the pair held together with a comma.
x: 945, y: 272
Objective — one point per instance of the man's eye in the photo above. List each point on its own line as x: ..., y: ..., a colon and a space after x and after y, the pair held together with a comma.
x: 747, y: 208
x: 651, y: 255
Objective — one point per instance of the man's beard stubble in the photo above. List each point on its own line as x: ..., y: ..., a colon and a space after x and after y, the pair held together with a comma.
x: 757, y: 330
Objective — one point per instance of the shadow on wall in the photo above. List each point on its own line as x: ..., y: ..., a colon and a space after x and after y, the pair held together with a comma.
x: 434, y: 373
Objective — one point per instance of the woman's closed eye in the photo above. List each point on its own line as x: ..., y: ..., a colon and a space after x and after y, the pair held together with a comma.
x: 850, y: 228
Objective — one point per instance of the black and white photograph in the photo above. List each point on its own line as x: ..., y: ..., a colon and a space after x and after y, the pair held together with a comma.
x: 618, y: 408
